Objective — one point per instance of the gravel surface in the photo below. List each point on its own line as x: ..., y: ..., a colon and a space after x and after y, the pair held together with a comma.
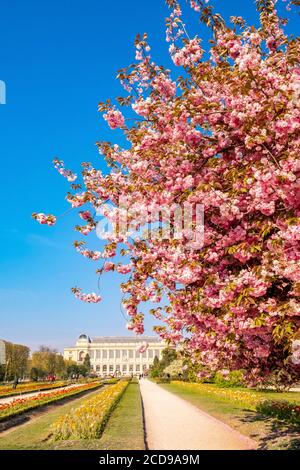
x: 174, y: 424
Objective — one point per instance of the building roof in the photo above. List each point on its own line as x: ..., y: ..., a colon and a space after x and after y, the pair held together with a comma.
x: 84, y: 337
x: 126, y: 339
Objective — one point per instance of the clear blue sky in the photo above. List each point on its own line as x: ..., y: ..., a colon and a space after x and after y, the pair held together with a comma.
x: 58, y: 59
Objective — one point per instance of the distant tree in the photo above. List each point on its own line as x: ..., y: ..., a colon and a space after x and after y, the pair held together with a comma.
x: 83, y: 370
x: 155, y: 369
x: 16, y: 360
x: 34, y: 374
x: 48, y: 361
x: 72, y: 369
x: 60, y: 365
x: 175, y: 368
x: 87, y: 362
x: 2, y: 372
x: 168, y: 356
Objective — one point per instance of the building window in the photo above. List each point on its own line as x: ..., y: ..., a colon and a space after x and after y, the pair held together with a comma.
x: 104, y: 368
x: 124, y: 353
x: 131, y: 368
x: 144, y: 367
x: 104, y: 354
x: 81, y: 356
x: 137, y: 354
x: 111, y: 354
x: 111, y: 368
x: 98, y: 368
x: 130, y: 355
x: 150, y: 353
x: 124, y: 368
x: 137, y: 368
x: 91, y: 353
x: 98, y: 354
x: 144, y: 355
x: 118, y: 367
x: 117, y: 353
x: 157, y: 353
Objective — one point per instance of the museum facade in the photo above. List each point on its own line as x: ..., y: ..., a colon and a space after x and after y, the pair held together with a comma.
x: 116, y: 355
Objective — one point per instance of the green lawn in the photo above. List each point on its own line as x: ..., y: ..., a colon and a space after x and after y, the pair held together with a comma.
x: 267, y: 432
x: 124, y: 429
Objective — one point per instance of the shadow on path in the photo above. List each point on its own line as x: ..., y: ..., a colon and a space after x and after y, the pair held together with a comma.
x: 275, y: 430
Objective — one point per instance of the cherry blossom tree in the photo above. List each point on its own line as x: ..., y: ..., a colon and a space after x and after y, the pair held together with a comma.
x: 226, y: 135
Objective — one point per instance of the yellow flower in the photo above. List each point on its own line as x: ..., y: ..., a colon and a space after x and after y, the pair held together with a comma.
x: 87, y: 420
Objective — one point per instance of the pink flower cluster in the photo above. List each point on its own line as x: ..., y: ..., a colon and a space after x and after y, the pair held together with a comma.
x: 188, y: 55
x: 143, y: 347
x: 44, y: 219
x: 68, y: 174
x: 164, y: 86
x: 114, y: 118
x: 89, y: 298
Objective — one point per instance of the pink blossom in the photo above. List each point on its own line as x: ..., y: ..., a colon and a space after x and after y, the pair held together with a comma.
x: 89, y: 298
x: 142, y: 107
x: 85, y: 215
x: 189, y: 54
x: 44, y: 219
x: 164, y: 86
x: 108, y: 266
x: 124, y: 269
x: 60, y: 166
x: 114, y: 118
x: 143, y: 347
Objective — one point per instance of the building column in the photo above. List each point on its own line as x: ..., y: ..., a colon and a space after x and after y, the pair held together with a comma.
x: 115, y: 354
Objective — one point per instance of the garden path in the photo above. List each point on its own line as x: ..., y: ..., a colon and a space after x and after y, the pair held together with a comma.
x: 174, y: 424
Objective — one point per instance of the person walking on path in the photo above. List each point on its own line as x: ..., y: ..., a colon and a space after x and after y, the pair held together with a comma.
x: 15, y: 382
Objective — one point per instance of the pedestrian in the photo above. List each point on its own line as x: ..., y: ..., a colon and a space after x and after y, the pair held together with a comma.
x: 15, y: 383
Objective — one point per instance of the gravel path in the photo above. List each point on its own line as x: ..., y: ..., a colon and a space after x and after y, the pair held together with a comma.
x: 32, y: 394
x: 174, y: 424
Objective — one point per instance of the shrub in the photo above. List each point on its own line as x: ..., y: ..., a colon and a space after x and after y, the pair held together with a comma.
x: 230, y: 379
x: 163, y: 379
x: 282, y: 410
x: 111, y: 381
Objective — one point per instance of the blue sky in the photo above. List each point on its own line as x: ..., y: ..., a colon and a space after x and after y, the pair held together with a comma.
x: 58, y: 60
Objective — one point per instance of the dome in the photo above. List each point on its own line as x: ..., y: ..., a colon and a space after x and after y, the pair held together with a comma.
x: 83, y: 337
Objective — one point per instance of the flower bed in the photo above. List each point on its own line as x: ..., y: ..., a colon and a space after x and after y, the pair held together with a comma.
x: 7, y: 391
x: 251, y: 400
x: 245, y: 398
x: 20, y: 405
x: 280, y: 409
x: 88, y: 420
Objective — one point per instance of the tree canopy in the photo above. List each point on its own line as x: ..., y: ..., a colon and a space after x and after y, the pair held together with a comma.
x: 225, y: 136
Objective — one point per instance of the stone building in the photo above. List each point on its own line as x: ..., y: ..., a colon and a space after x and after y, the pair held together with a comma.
x: 2, y: 352
x: 117, y: 355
